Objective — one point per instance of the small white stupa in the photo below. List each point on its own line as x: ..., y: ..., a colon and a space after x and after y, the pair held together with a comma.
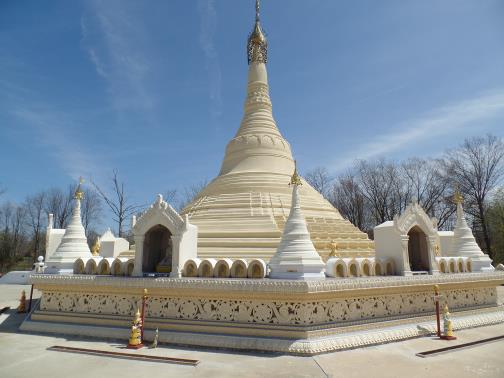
x: 464, y: 244
x: 296, y: 257
x: 73, y: 243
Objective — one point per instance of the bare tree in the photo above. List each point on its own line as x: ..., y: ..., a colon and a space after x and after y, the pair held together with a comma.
x: 190, y: 193
x: 59, y: 204
x: 12, y: 236
x: 34, y: 206
x: 476, y: 167
x: 426, y: 182
x: 378, y: 181
x: 319, y: 179
x: 496, y: 225
x: 91, y: 209
x: 347, y: 197
x: 118, y: 203
x: 171, y: 196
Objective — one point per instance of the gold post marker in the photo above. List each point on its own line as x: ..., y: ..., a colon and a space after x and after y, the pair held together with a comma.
x: 144, y: 300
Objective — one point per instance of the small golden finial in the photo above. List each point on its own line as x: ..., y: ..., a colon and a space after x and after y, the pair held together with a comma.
x: 457, y: 197
x: 295, y: 179
x: 79, y: 194
x: 96, y: 247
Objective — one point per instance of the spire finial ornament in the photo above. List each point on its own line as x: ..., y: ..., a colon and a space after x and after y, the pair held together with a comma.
x: 257, y: 46
x: 457, y: 197
x: 295, y: 179
x: 79, y: 194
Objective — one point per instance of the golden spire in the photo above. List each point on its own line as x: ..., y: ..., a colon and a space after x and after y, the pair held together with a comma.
x: 295, y: 179
x: 257, y: 46
x: 79, y: 194
x: 457, y: 197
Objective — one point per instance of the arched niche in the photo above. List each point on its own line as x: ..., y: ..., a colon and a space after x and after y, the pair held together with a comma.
x: 410, y: 241
x: 418, y: 250
x: 164, y: 240
x: 157, y: 250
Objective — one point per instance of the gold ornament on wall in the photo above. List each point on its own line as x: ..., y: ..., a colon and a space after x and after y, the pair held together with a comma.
x: 333, y: 247
x: 96, y: 247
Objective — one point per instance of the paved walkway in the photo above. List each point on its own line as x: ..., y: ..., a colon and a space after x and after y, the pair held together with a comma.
x: 26, y: 355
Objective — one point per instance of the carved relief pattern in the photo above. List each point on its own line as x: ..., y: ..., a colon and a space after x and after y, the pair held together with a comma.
x: 415, y: 215
x: 259, y: 93
x: 159, y: 212
x: 264, y: 311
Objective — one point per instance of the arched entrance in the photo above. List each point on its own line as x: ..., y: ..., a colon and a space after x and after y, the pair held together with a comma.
x: 157, y: 250
x: 418, y: 250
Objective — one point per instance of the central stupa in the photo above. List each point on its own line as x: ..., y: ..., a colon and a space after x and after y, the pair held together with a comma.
x: 242, y: 212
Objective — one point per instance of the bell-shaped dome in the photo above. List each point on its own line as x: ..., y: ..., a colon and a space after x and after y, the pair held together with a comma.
x: 243, y: 211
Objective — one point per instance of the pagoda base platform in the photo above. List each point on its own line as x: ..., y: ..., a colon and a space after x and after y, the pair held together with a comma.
x: 298, y: 317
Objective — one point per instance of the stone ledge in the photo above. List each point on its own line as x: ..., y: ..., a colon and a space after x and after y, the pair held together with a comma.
x: 266, y: 285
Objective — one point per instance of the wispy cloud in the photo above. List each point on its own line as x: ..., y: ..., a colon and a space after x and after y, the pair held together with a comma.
x: 440, y: 121
x: 115, y: 41
x: 57, y: 132
x: 208, y: 25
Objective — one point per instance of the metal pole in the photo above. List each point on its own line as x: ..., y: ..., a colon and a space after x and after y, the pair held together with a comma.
x: 438, y: 320
x: 31, y: 295
x: 144, y: 299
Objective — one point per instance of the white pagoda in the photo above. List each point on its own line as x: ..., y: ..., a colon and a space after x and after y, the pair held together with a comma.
x: 73, y: 243
x: 296, y: 257
x: 464, y: 244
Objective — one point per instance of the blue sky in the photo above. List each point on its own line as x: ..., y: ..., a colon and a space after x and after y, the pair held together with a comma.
x: 156, y: 88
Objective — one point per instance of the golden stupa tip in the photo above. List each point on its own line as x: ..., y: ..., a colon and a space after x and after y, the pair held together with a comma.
x: 295, y: 179
x: 79, y: 194
x: 257, y: 45
x: 457, y: 197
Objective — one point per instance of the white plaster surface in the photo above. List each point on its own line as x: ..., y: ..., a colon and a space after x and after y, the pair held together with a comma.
x: 110, y: 246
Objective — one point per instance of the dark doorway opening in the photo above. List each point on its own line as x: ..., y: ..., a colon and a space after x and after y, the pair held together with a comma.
x: 418, y: 251
x: 157, y: 250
